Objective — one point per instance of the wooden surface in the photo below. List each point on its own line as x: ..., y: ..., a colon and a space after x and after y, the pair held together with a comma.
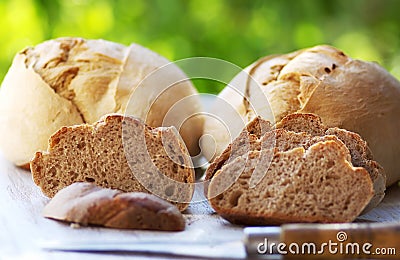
x: 22, y: 226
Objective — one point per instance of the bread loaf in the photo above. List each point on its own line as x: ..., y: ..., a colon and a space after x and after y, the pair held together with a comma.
x: 87, y: 204
x: 117, y: 152
x: 358, y: 96
x: 292, y: 132
x: 317, y: 184
x: 70, y: 81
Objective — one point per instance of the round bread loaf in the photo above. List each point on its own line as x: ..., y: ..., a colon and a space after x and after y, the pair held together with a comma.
x: 70, y: 81
x: 359, y: 96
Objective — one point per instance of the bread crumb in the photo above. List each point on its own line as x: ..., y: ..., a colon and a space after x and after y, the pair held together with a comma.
x: 75, y: 225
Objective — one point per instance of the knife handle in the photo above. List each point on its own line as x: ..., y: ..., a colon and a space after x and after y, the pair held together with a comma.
x: 354, y: 240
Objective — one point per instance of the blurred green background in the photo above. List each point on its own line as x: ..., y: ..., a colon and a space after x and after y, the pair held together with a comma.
x: 237, y: 31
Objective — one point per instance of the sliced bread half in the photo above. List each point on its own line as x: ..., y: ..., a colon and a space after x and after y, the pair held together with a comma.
x: 117, y: 152
x: 304, y: 130
x: 317, y: 184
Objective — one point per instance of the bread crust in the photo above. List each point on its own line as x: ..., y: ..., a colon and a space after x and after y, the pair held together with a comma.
x: 21, y: 99
x: 69, y: 81
x: 88, y: 204
x: 355, y: 95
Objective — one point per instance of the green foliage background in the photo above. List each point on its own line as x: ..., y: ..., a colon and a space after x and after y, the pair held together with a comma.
x: 237, y: 31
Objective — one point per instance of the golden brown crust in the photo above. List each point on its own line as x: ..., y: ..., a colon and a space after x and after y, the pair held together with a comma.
x: 87, y: 204
x: 69, y: 81
x: 364, y: 99
x: 359, y: 96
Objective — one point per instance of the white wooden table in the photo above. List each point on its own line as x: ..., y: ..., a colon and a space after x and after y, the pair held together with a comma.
x: 22, y: 225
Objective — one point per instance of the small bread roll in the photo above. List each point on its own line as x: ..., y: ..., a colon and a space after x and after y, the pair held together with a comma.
x: 70, y: 81
x: 359, y: 96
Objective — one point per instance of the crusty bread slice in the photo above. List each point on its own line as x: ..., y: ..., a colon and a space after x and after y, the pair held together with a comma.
x: 88, y: 204
x: 361, y: 155
x: 117, y: 152
x: 314, y: 185
x: 304, y: 130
